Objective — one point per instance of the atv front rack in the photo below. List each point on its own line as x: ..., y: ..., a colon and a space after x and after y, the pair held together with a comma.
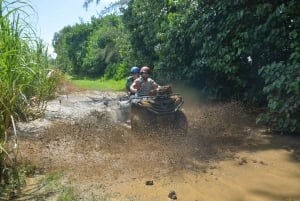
x: 160, y: 104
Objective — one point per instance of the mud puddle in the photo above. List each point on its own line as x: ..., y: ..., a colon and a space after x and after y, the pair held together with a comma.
x: 224, y: 156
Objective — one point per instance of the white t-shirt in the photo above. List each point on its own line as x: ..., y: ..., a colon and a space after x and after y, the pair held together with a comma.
x: 145, y: 86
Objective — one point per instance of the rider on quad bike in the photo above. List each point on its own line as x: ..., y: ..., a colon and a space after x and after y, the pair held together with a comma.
x: 144, y: 85
x: 134, y: 71
x: 155, y: 108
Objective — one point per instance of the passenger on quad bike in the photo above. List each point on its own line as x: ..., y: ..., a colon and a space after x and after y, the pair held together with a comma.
x: 154, y: 108
x: 134, y: 71
x: 144, y: 85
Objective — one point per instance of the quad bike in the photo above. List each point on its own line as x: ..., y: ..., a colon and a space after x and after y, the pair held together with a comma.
x: 158, y: 113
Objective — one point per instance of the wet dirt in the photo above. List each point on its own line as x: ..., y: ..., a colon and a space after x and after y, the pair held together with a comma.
x: 224, y: 156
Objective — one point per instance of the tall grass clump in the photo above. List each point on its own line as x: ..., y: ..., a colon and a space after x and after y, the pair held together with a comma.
x: 26, y: 78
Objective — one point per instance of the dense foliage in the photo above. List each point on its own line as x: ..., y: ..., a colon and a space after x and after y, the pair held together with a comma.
x: 231, y: 49
x: 25, y: 79
x: 241, y: 49
x: 70, y: 45
x: 94, y: 49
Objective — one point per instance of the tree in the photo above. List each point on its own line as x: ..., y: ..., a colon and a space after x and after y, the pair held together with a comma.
x: 112, y: 8
x: 70, y: 46
x: 230, y: 49
x: 143, y: 20
x: 102, y: 47
x: 94, y: 49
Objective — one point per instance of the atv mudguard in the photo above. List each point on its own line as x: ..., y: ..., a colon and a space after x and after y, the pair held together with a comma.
x: 160, y: 113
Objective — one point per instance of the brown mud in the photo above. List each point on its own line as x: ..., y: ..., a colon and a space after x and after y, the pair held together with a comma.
x: 224, y: 156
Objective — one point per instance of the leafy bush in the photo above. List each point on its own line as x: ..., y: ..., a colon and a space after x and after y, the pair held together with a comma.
x: 283, y: 94
x: 228, y: 49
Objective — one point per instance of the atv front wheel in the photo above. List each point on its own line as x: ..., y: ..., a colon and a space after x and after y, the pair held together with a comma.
x: 140, y: 119
x: 181, y: 123
x: 135, y: 123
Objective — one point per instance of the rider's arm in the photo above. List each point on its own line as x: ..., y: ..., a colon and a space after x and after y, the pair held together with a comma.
x: 154, y: 84
x: 134, y: 87
x: 128, y: 83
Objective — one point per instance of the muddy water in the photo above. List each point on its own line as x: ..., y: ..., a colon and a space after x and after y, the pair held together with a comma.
x: 224, y: 156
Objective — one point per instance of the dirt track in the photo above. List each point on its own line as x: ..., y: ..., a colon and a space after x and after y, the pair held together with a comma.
x: 224, y: 156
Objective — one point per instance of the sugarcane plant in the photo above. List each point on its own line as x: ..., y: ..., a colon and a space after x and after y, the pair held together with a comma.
x: 26, y: 75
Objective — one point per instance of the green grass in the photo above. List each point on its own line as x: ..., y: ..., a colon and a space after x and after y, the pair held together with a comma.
x: 101, y: 84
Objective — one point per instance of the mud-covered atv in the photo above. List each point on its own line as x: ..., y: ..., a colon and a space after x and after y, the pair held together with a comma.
x: 159, y: 113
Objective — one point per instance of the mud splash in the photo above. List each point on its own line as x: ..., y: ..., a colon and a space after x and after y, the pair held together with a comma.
x: 224, y: 156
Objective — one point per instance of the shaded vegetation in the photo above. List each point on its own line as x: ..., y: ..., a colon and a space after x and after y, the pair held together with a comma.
x: 244, y: 50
